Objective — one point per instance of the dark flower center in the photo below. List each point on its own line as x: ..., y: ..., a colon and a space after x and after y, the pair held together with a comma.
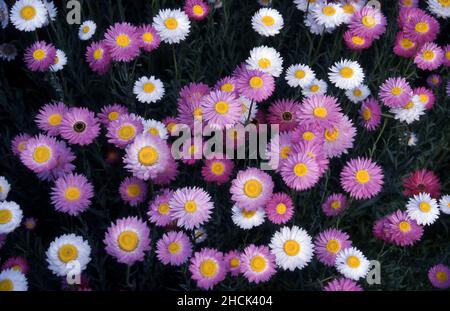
x: 287, y: 116
x: 79, y: 127
x: 421, y: 186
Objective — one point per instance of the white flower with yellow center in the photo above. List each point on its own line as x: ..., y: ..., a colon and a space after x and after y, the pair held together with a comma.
x: 52, y: 11
x: 314, y: 27
x: 12, y: 280
x: 423, y: 209
x: 346, y: 74
x: 352, y: 264
x: 200, y: 235
x: 148, y: 90
x: 65, y: 251
x: 155, y: 128
x: 265, y: 59
x: 249, y: 110
x: 87, y: 30
x: 10, y: 216
x: 329, y: 15
x: 172, y: 25
x: 444, y: 204
x: 4, y: 188
x: 28, y: 15
x: 247, y: 219
x: 307, y: 5
x: 317, y: 86
x: 60, y: 61
x: 410, y: 112
x: 300, y: 75
x: 267, y: 22
x: 292, y: 247
x: 358, y: 94
x: 349, y: 8
x: 440, y: 8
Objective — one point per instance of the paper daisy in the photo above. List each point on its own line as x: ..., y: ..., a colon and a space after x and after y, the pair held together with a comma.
x: 98, y: 57
x: 50, y: 117
x: 346, y: 74
x: 127, y: 240
x: 169, y: 174
x: 421, y: 27
x: 16, y: 263
x: 40, y: 153
x: 444, y: 204
x: 122, y: 131
x: 65, y: 249
x: 284, y: 112
x: 207, y: 268
x: 227, y: 85
x: 13, y: 280
x: 280, y: 208
x: 351, y: 263
x: 257, y: 263
x: 342, y: 285
x: 59, y: 62
x: 292, y: 247
x: 300, y: 75
x: 357, y: 42
x: 217, y: 169
x: 334, y: 205
x: 265, y: 59
x: 267, y: 22
x: 148, y: 90
x: 10, y: 216
x: 426, y: 97
x: 429, y: 56
x: 421, y: 181
x: 196, y: 9
x: 122, y: 41
x: 314, y: 27
x: 358, y: 94
x: 400, y: 229
x: 279, y: 149
x: 174, y: 248
x: 64, y: 159
x: 79, y: 126
x: 28, y: 15
x: 439, y: 276
x: 300, y: 172
x: 369, y: 22
x: 87, y: 30
x: 52, y: 11
x: 133, y: 190
x: 255, y: 84
x: 440, y: 8
x: 395, y: 92
x: 317, y: 86
x: 304, y: 5
x: 221, y: 110
x: 111, y: 113
x: 149, y: 38
x: 320, y: 110
x: 159, y: 209
x: 370, y: 114
x: 404, y: 46
x: 328, y: 15
x: 329, y: 243
x: 232, y: 261
x: 247, y: 219
x: 410, y: 112
x: 172, y: 25
x: 4, y: 188
x: 423, y: 209
x: 40, y: 56
x: 155, y: 128
x: 339, y: 139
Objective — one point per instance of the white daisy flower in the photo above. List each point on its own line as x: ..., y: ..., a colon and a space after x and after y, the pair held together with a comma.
x: 349, y: 8
x: 267, y: 22
x: 52, y: 12
x: 65, y: 249
x: 10, y: 216
x: 423, y: 209
x: 358, y: 94
x: 28, y: 15
x: 172, y: 25
x: 12, y: 280
x: 346, y: 74
x: 440, y: 8
x: 352, y: 264
x: 307, y: 5
x: 444, y: 204
x: 148, y: 90
x: 8, y: 51
x: 300, y: 75
x: 60, y: 61
x: 329, y: 15
x: 292, y: 247
x: 4, y: 188
x: 265, y: 59
x: 412, y: 140
x: 314, y: 27
x: 156, y: 128
x: 247, y: 219
x: 4, y: 15
x: 87, y: 30
x: 200, y: 235
x: 318, y: 86
x: 410, y: 112
x: 246, y: 105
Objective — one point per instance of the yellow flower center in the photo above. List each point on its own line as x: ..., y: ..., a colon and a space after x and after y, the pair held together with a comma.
x: 333, y: 246
x: 285, y: 151
x: 192, y: 149
x: 98, y: 54
x: 353, y: 262
x: 358, y: 40
x: 198, y: 113
x: 221, y: 107
x: 126, y: 132
x: 328, y: 10
x: 331, y: 135
x: 308, y: 136
x: 171, y: 23
x: 174, y: 248
x: 447, y: 55
x: 300, y: 169
x: 85, y: 29
x: 346, y: 72
x: 28, y: 12
x: 425, y: 207
x: 444, y: 3
x: 409, y: 105
x: 171, y: 126
x: 256, y: 82
x: 357, y: 92
x: 291, y: 247
x: 123, y: 40
x: 56, y: 61
x: 268, y: 20
x: 407, y: 3
x: 217, y: 168
x: 148, y: 156
x: 441, y: 276
x: 128, y: 240
x: 336, y: 204
x: 320, y: 112
x: 423, y: 98
x: 198, y: 10
x: 190, y: 206
x: 22, y: 145
x: 6, y: 285
x: 258, y: 263
x: 362, y: 176
x: 72, y: 194
x: 253, y: 188
x: 149, y: 87
x: 422, y: 27
x: 209, y: 268
x: 227, y: 87
x: 368, y: 21
x: 163, y: 208
x: 42, y: 154
x: 367, y: 114
x: 248, y: 214
x: 404, y: 226
x: 147, y: 37
x: 67, y: 253
x: 113, y: 115
x: 314, y: 88
x: 55, y: 119
x: 396, y: 91
x: 133, y: 190
x: 428, y: 55
x: 300, y: 74
x: 5, y: 216
x: 235, y: 262
x: 348, y: 8
x: 281, y: 208
x: 153, y: 131
x: 264, y: 63
x: 39, y: 54
x: 406, y: 44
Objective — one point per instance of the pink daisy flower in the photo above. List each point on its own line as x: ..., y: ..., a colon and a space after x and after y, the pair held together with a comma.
x: 342, y: 285
x: 207, y: 268
x: 421, y: 181
x: 426, y: 96
x: 127, y: 240
x: 408, y: 4
x: 446, y: 58
x: 123, y: 42
x: 18, y: 263
x: 404, y: 46
x: 284, y: 112
x: 434, y: 80
x: 357, y: 42
x: 40, y: 153
x: 111, y: 113
x: 378, y: 229
x: 280, y: 208
x: 72, y: 194
x: 50, y: 116
x: 395, y: 92
x: 300, y: 172
x: 169, y: 174
x: 329, y: 243
x: 439, y: 276
x: 255, y: 85
x: 314, y: 150
x: 421, y: 28
x: 19, y: 143
x: 251, y: 189
x: 149, y: 38
x: 217, y: 169
x: 399, y: 229
x: 196, y: 9
x: 405, y: 15
x: 339, y: 139
x: 171, y: 124
x: 64, y: 165
x: 174, y: 248
x: 257, y: 263
x: 279, y: 149
x: 79, y: 126
x: 368, y: 22
x: 429, y: 56
x: 334, y: 205
x: 30, y: 223
x: 159, y: 210
x: 370, y: 114
x: 362, y: 178
x: 193, y: 92
x: 227, y: 84
x: 232, y: 262
x: 122, y: 131
x: 191, y: 207
x: 320, y: 110
x: 98, y: 57
x: 133, y: 190
x: 40, y: 56
x: 310, y: 133
x: 221, y: 110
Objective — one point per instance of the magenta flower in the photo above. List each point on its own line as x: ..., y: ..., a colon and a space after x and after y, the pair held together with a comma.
x: 159, y: 210
x: 169, y: 174
x: 79, y: 126
x: 368, y: 22
x: 426, y: 96
x: 434, y: 80
x: 64, y: 165
x: 399, y: 229
x: 342, y: 285
x: 220, y: 110
x: 217, y: 169
x: 446, y: 58
x: 40, y: 153
x: 334, y: 205
x: 314, y: 150
x: 395, y: 92
x: 284, y: 112
x: 404, y: 46
x: 133, y: 190
x: 370, y: 114
x: 439, y: 276
x: 207, y: 268
x: 421, y: 181
x: 232, y: 261
x: 50, y: 116
x: 255, y: 85
x: 98, y: 57
x: 300, y: 172
x: 196, y: 9
x: 320, y: 110
x: 310, y: 133
x: 174, y: 248
x: 19, y: 143
x: 329, y: 243
x: 339, y: 139
x: 357, y: 42
x: 257, y: 263
x: 123, y: 42
x: 16, y: 263
x: 421, y: 28
x: 40, y: 56
x: 111, y: 113
x: 429, y: 56
x: 149, y: 38
x: 122, y: 131
x: 228, y: 85
x: 280, y: 208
